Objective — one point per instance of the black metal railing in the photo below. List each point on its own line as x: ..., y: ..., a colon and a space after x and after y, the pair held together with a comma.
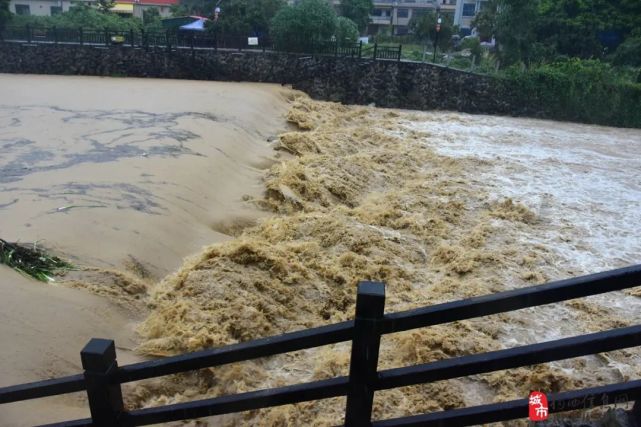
x: 172, y: 40
x: 103, y: 377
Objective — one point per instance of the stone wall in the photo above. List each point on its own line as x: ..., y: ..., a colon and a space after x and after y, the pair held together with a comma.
x: 383, y: 83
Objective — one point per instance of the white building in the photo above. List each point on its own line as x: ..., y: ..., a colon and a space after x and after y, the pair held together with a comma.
x: 39, y: 7
x: 465, y: 12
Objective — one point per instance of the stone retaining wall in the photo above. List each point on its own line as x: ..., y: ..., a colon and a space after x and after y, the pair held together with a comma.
x: 383, y: 83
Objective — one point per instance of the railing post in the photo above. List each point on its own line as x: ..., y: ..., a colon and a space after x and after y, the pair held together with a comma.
x: 55, y: 35
x: 106, y: 37
x: 370, y: 305
x: 28, y: 33
x: 80, y: 35
x: 400, y: 49
x: 131, y: 35
x: 360, y: 49
x: 105, y: 398
x: 375, y: 49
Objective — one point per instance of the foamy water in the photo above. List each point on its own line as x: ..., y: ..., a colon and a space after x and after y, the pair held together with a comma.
x: 584, y: 181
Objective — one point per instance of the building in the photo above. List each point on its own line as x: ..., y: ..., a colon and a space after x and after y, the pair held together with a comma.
x: 39, y: 7
x: 122, y: 7
x: 465, y: 12
x: 396, y: 15
x: 393, y: 16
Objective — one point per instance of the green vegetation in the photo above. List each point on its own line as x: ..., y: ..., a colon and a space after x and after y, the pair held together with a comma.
x: 578, y: 90
x: 346, y: 31
x: 539, y: 31
x: 246, y: 17
x: 295, y: 27
x: 358, y: 11
x: 31, y: 261
x: 5, y: 14
x: 81, y: 15
x: 629, y: 53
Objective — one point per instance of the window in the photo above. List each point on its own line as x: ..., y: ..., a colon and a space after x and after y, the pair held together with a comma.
x: 23, y: 9
x: 401, y: 31
x: 56, y: 10
x: 469, y: 9
x: 377, y: 12
x: 402, y: 13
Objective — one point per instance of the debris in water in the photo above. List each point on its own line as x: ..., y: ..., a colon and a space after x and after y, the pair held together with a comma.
x: 32, y: 261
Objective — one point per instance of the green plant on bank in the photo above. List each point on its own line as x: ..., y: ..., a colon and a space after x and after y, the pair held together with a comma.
x: 577, y: 90
x: 32, y: 261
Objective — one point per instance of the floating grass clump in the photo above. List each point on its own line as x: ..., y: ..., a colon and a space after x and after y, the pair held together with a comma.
x: 32, y: 260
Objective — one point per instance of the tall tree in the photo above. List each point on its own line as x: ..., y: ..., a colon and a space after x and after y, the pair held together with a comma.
x: 358, y: 11
x: 346, y: 31
x: 295, y: 27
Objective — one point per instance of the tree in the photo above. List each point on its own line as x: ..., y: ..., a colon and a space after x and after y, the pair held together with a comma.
x: 248, y: 17
x: 346, y: 31
x: 424, y: 28
x: 151, y: 19
x: 516, y: 26
x: 296, y: 27
x: 358, y: 11
x: 485, y: 20
x: 5, y: 14
x: 629, y: 53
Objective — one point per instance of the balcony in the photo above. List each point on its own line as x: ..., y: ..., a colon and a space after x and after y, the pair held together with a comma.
x: 380, y: 20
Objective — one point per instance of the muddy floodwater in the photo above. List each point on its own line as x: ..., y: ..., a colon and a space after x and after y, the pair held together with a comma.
x: 108, y: 170
x: 124, y: 177
x: 297, y: 201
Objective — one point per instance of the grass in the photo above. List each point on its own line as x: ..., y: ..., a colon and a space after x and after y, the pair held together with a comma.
x: 32, y: 261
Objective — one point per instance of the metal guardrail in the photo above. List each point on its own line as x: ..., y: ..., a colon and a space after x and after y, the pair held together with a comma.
x: 171, y: 40
x: 102, y: 376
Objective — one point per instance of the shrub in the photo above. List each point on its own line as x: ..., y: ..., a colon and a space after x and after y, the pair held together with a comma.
x: 578, y: 90
x: 296, y: 27
x: 629, y: 52
x: 346, y: 31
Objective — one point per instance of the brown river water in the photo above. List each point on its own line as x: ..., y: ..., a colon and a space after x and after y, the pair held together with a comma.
x: 298, y: 200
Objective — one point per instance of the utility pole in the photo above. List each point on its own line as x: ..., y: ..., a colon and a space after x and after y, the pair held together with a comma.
x: 438, y: 30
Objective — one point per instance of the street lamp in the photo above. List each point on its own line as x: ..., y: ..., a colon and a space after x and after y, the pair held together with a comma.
x: 438, y: 29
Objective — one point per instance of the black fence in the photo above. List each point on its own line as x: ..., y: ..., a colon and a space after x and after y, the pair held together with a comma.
x: 172, y: 40
x: 102, y: 376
